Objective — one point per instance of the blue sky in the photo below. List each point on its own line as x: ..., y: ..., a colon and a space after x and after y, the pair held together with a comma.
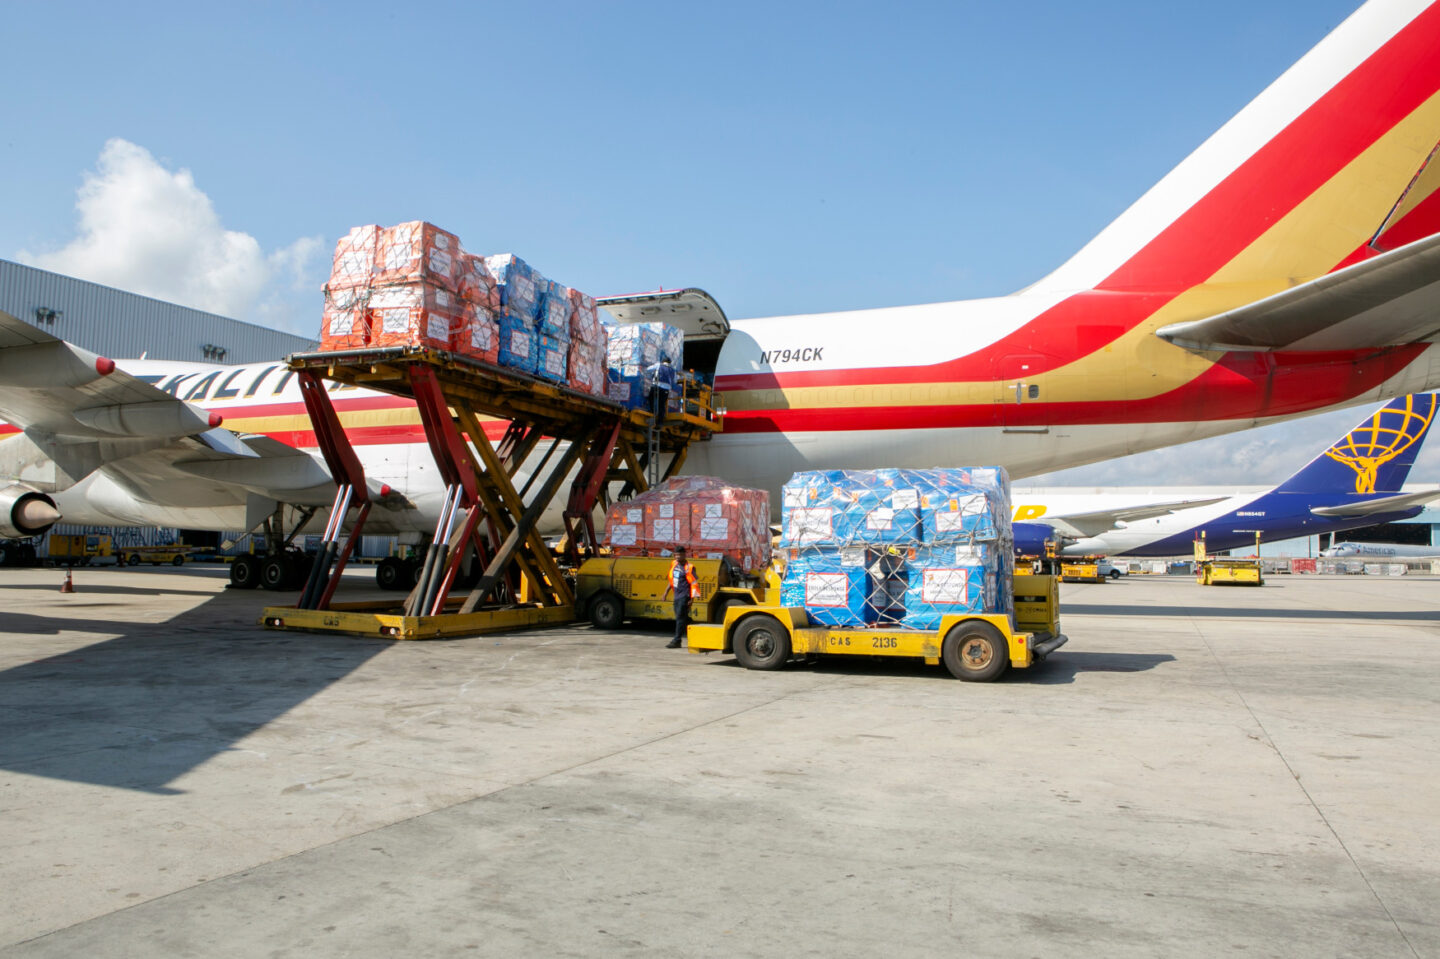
x: 786, y: 157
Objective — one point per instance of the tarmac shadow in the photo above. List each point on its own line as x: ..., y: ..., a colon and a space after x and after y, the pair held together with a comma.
x: 1063, y: 666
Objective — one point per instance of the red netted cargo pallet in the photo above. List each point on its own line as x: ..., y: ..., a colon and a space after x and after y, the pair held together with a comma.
x: 707, y: 516
x: 418, y: 251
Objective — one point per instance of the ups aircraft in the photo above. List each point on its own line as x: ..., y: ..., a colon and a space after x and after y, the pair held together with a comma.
x: 1288, y: 266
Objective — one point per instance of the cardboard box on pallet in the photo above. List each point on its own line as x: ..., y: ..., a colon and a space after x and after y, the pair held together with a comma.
x: 659, y: 520
x: 518, y: 284
x: 585, y: 322
x: 354, y: 262
x: 476, y: 284
x: 517, y: 344
x: 552, y: 358
x: 586, y: 367
x: 344, y: 324
x: 555, y: 309
x: 414, y: 314
x: 418, y: 252
x: 624, y: 524
x: 833, y: 592
x: 478, y: 335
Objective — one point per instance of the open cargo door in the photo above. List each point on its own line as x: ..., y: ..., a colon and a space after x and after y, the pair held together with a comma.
x: 693, y: 310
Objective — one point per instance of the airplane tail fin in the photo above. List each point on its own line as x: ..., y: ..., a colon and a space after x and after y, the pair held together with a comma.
x: 1328, y: 166
x: 1375, y: 456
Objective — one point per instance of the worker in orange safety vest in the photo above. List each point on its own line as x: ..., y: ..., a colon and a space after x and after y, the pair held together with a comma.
x: 686, y: 588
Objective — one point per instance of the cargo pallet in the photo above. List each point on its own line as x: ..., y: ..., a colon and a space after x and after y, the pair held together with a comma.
x: 522, y: 584
x: 975, y: 647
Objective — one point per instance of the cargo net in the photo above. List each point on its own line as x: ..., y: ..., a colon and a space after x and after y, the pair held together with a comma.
x: 897, y: 547
x: 708, y: 517
x: 632, y: 350
x: 414, y: 285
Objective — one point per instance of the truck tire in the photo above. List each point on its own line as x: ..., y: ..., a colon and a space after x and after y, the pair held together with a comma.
x: 245, y: 572
x: 975, y: 652
x: 607, y: 610
x: 718, y: 615
x: 1114, y: 574
x: 133, y: 559
x: 761, y: 643
x: 178, y: 560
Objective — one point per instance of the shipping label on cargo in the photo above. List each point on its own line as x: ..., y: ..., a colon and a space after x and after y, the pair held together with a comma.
x: 879, y: 519
x: 811, y: 525
x: 826, y: 589
x: 667, y: 510
x: 664, y: 529
x: 945, y: 586
x: 852, y: 556
x: 713, y: 509
x: 623, y: 534
x: 714, y: 527
x: 905, y: 499
x: 634, y: 516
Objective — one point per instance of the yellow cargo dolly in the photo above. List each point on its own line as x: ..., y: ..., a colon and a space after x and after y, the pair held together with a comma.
x: 523, y: 583
x: 1224, y: 571
x: 975, y: 647
x: 611, y: 589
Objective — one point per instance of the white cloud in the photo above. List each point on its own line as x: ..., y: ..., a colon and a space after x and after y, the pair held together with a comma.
x: 150, y: 230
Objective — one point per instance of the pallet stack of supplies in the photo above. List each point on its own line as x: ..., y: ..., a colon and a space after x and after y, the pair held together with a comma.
x: 354, y: 263
x: 519, y: 286
x: 937, y: 591
x: 670, y: 343
x: 475, y: 283
x: 552, y: 358
x: 555, y: 309
x: 414, y: 314
x: 586, y: 367
x: 418, y: 251
x: 517, y: 348
x: 585, y: 318
x: 953, y: 514
x: 832, y: 591
x: 625, y: 391
x: 733, y: 521
x: 634, y: 346
x: 478, y: 335
x: 345, y: 320
x: 667, y: 523
x: 624, y: 523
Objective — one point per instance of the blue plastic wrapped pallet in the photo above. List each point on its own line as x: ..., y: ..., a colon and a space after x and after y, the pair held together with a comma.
x: 551, y: 356
x: 517, y: 344
x: 519, y: 285
x: 833, y: 594
x: 554, y: 309
x: 928, y: 542
x: 630, y: 391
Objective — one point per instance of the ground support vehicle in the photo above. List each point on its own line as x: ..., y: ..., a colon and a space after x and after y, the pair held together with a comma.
x: 1082, y: 569
x: 975, y: 647
x: 18, y: 552
x: 1228, y: 571
x: 80, y: 549
x: 522, y: 583
x: 611, y: 589
x: 175, y: 554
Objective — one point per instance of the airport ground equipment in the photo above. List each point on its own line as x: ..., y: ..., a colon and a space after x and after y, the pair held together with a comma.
x: 175, y: 554
x: 1082, y: 569
x: 612, y: 589
x: 1228, y: 571
x: 80, y: 549
x: 523, y: 582
x: 975, y: 647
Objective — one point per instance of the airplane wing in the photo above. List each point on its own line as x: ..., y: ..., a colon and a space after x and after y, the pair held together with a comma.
x: 1387, y: 300
x: 80, y: 414
x: 1385, y: 504
x: 1098, y: 521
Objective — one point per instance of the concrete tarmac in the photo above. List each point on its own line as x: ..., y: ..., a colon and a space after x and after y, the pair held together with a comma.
x: 1201, y: 771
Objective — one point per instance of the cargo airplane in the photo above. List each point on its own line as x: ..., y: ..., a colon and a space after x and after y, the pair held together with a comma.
x: 1380, y: 551
x: 1289, y: 265
x: 1356, y: 482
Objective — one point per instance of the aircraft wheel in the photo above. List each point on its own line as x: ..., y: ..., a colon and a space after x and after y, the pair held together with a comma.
x: 411, y: 579
x: 761, y: 643
x: 975, y: 652
x: 274, y: 573
x: 389, y: 573
x: 607, y: 610
x: 245, y: 572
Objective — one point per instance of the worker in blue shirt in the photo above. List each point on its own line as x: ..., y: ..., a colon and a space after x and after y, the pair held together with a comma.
x: 662, y: 384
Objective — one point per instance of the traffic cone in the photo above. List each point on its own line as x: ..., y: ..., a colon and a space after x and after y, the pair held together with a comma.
x: 67, y: 586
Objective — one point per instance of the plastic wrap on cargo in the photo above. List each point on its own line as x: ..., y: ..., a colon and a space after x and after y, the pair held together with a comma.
x: 344, y: 324
x: 585, y: 318
x: 671, y: 344
x: 932, y: 542
x: 414, y: 314
x: 478, y: 335
x: 517, y: 344
x: 519, y: 285
x: 555, y: 309
x: 586, y: 367
x: 354, y: 262
x: 629, y: 391
x: 552, y: 357
x: 833, y: 591
x: 634, y: 345
x: 475, y: 283
x: 707, y: 516
x: 418, y: 251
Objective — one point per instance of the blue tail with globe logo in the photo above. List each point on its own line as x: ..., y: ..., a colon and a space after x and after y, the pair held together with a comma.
x: 1375, y: 456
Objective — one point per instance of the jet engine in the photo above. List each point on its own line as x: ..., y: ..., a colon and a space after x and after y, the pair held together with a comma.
x: 25, y: 511
x: 1030, y: 538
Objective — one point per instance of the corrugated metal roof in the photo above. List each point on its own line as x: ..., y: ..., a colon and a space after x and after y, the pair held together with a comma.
x: 123, y: 325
